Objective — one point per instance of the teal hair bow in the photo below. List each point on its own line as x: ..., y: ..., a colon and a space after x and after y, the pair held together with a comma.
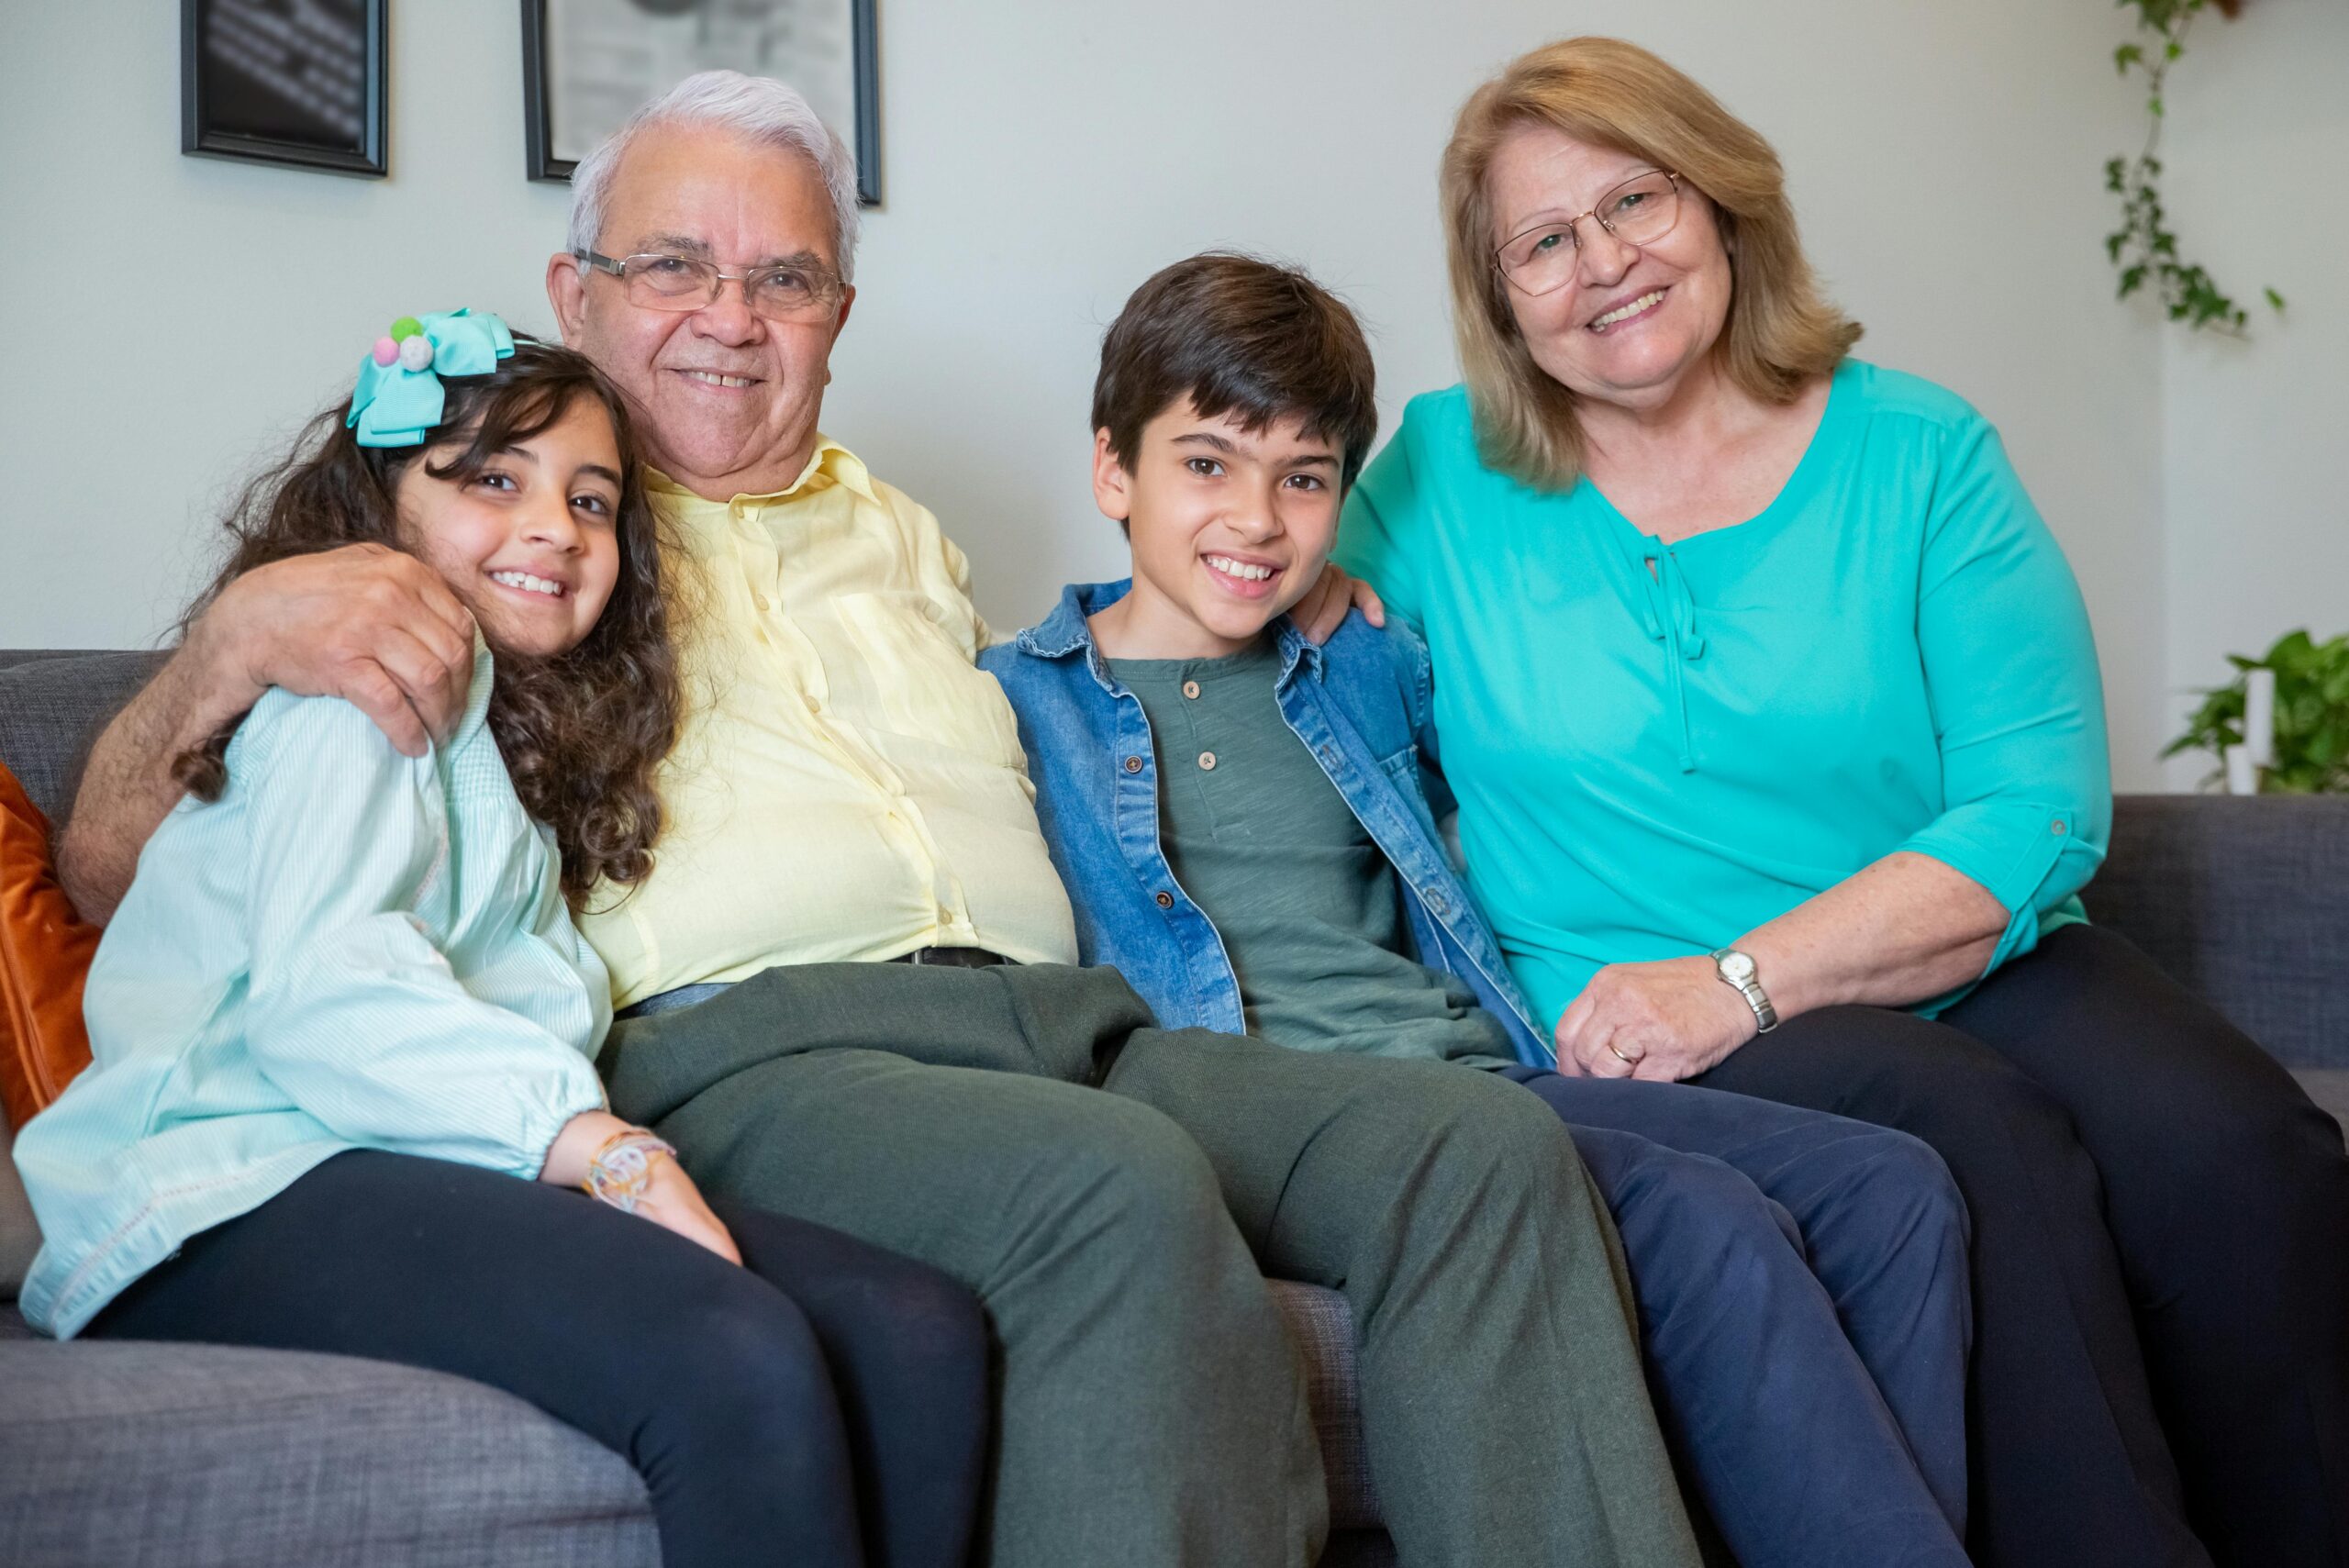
x: 399, y: 397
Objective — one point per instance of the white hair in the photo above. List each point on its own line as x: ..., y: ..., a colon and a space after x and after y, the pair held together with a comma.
x: 757, y: 108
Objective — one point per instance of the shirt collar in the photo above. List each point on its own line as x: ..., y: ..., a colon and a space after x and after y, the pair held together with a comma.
x: 1068, y: 629
x: 829, y: 462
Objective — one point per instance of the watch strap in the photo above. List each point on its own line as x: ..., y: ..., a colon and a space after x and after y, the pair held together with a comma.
x: 1764, y: 1014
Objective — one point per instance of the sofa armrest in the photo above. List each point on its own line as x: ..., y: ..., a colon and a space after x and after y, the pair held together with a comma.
x: 2245, y: 902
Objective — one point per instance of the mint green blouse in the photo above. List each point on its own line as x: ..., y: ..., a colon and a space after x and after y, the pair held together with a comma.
x: 349, y: 950
x: 1657, y: 747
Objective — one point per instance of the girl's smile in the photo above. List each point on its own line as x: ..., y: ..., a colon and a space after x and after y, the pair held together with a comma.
x: 529, y: 542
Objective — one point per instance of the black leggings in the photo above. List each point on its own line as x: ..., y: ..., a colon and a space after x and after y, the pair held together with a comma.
x: 2161, y: 1257
x: 823, y: 1406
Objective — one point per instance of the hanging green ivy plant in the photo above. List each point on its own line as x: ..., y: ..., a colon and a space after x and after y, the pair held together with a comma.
x: 2145, y: 249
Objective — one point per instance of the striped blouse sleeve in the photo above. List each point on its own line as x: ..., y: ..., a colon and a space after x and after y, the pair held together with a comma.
x: 354, y: 1013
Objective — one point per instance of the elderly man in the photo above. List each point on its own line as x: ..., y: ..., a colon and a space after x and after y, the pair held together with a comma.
x: 849, y: 976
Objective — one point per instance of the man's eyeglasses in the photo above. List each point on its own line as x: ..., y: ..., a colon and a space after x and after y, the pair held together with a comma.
x: 792, y: 291
x: 1637, y: 212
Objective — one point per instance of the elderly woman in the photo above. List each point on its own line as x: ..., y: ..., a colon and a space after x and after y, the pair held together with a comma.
x: 1774, y: 721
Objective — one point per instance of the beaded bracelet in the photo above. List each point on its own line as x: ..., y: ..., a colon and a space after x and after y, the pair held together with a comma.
x: 622, y: 1168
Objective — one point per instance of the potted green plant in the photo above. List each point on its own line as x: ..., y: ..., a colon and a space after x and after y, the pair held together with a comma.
x: 2311, y: 750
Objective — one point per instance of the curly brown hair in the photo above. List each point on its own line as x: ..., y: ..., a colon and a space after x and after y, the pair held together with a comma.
x: 582, y: 732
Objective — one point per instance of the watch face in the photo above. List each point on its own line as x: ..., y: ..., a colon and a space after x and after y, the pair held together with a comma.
x: 1736, y: 968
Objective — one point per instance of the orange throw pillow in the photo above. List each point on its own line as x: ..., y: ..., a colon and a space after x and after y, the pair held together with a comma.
x: 45, y: 952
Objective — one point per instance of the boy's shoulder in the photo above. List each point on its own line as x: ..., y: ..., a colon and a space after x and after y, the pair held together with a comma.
x: 998, y: 659
x: 1364, y: 661
x: 1059, y: 638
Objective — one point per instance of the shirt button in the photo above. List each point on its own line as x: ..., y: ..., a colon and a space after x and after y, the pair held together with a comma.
x: 2056, y: 827
x: 1191, y: 689
x: 813, y: 706
x: 757, y: 598
x: 1207, y: 762
x: 1133, y: 765
x: 1166, y: 901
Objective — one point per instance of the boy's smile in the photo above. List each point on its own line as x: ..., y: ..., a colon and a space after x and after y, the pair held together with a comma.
x: 1230, y: 527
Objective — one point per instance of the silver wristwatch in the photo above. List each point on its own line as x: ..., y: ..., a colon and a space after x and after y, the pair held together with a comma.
x: 1736, y: 970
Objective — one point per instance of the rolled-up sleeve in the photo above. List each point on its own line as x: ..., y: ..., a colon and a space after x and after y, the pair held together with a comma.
x: 354, y: 1012
x: 2017, y: 702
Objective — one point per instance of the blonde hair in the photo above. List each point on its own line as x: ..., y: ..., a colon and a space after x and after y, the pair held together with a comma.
x: 1780, y: 334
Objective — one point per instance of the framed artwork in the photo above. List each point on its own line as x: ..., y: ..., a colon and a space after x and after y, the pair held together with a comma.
x: 588, y: 64
x: 297, y: 82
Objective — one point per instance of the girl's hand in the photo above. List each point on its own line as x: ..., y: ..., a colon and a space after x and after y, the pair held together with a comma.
x: 1663, y: 1021
x: 670, y: 1199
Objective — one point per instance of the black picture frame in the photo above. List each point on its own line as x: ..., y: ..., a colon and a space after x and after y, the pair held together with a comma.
x: 205, y: 80
x: 538, y: 133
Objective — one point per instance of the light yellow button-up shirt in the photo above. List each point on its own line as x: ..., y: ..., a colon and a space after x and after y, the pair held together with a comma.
x: 848, y: 786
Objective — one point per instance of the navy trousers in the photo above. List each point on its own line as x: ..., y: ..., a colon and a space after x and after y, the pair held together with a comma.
x: 2161, y: 1257
x: 824, y: 1405
x: 1803, y: 1295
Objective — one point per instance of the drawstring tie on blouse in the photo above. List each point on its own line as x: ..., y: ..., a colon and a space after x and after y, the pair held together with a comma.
x: 1671, y: 616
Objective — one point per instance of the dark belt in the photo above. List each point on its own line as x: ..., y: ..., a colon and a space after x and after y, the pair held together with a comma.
x: 687, y: 996
x: 955, y: 958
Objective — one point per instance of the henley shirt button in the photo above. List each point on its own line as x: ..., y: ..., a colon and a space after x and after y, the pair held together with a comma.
x: 813, y: 704
x: 1165, y: 901
x: 2056, y: 827
x: 1133, y: 765
x: 757, y: 598
x: 1207, y: 762
x: 1191, y: 689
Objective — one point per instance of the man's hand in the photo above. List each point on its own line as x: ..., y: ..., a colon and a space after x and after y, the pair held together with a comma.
x: 1663, y: 1021
x: 371, y: 625
x: 1323, y: 609
x: 363, y: 623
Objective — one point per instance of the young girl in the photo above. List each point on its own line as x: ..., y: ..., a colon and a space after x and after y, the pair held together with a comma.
x: 343, y: 1097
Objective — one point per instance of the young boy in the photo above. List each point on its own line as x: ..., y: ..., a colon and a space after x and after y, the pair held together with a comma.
x: 1246, y: 825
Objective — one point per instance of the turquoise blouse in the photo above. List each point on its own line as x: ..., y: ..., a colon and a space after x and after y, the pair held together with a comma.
x: 349, y: 950
x: 1657, y: 747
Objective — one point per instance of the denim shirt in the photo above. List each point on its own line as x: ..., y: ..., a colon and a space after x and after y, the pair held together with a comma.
x: 1360, y: 704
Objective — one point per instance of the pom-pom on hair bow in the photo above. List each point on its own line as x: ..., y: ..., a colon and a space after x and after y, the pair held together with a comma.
x: 399, y: 397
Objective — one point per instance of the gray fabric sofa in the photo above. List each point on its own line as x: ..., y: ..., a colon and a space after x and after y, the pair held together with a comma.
x: 121, y: 1454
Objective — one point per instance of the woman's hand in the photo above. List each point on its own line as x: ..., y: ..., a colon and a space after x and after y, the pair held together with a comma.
x: 1323, y: 609
x: 669, y: 1200
x: 1663, y: 1021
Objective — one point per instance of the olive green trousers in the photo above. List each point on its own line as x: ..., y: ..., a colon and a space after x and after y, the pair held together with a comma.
x: 1116, y: 1193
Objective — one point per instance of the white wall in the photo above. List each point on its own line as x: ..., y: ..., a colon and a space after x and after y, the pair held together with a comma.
x: 2255, y: 442
x: 1041, y: 157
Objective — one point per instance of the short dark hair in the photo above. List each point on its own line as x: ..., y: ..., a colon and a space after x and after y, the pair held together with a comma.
x: 1235, y: 334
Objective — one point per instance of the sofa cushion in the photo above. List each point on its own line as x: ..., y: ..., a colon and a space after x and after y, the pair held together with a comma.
x: 1322, y: 1324
x: 2244, y: 900
x: 203, y: 1456
x: 45, y: 953
x: 52, y: 707
x: 19, y: 1236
